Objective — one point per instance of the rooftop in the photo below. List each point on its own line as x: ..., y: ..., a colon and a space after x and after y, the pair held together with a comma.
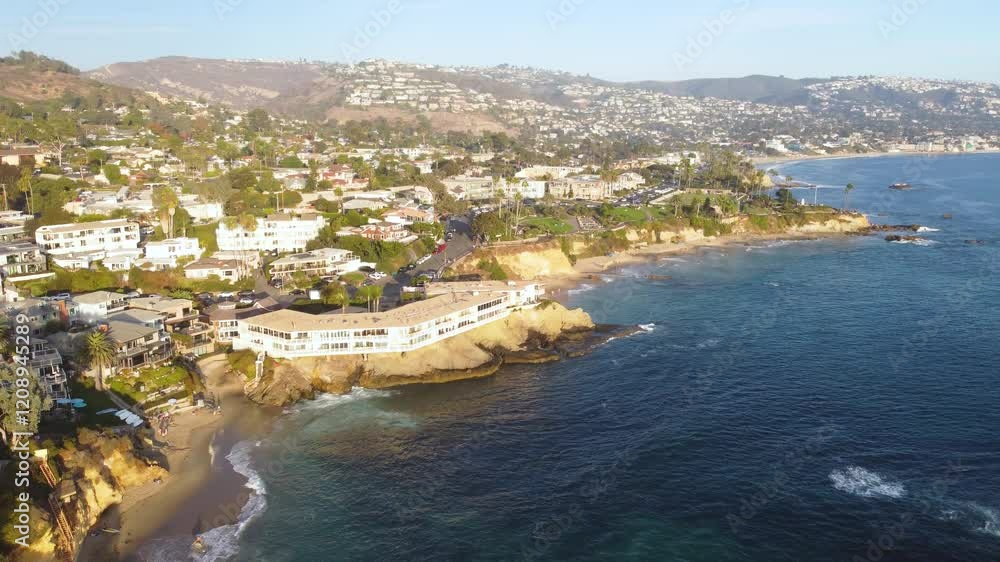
x: 98, y: 297
x: 403, y: 317
x: 74, y: 227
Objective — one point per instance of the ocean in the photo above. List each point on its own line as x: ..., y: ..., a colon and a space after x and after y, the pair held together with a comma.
x: 811, y: 400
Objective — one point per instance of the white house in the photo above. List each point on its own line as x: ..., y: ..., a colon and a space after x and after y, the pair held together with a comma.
x: 173, y: 249
x: 226, y: 270
x: 318, y: 263
x: 96, y: 306
x: 276, y: 233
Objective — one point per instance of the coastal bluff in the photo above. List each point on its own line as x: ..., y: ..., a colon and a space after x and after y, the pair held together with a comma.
x: 529, y: 335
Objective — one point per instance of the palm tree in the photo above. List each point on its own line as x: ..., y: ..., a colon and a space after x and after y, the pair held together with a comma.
x: 376, y: 292
x: 847, y: 193
x: 165, y: 201
x: 24, y: 186
x: 101, y: 352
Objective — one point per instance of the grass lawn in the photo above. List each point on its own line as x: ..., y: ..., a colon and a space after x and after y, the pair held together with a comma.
x: 312, y: 307
x: 547, y: 225
x: 82, y: 387
x: 205, y: 233
x: 150, y: 381
x: 629, y: 215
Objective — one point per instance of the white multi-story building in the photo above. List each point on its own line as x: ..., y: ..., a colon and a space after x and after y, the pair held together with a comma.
x: 88, y: 237
x: 318, y: 263
x: 276, y: 233
x: 452, y: 309
x: 169, y: 251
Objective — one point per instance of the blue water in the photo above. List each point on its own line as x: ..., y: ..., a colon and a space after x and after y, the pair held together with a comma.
x: 793, y: 402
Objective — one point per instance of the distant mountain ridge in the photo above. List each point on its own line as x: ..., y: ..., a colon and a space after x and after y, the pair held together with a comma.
x: 775, y: 90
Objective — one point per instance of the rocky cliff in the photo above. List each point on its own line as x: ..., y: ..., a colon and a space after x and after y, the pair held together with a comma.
x: 99, y: 467
x: 529, y: 335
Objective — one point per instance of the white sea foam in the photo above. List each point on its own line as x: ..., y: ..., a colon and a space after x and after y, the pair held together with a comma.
x: 989, y: 519
x: 327, y: 401
x: 648, y: 327
x: 581, y: 289
x: 920, y: 242
x: 928, y: 229
x: 223, y: 542
x: 864, y: 483
x: 709, y: 343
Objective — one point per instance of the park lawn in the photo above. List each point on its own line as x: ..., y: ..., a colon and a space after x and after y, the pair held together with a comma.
x: 548, y: 225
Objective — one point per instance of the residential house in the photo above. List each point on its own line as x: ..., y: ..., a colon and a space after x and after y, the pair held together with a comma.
x: 21, y: 261
x: 46, y: 364
x: 138, y: 345
x: 178, y: 313
x: 317, y: 263
x: 97, y: 306
x: 225, y: 270
x: 164, y: 254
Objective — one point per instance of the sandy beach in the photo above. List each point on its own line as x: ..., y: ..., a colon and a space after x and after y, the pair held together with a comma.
x: 202, y: 491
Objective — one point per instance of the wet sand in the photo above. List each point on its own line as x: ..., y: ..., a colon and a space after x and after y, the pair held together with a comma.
x: 202, y: 490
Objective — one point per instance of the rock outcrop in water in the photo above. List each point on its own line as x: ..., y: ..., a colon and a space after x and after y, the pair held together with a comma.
x: 543, y: 334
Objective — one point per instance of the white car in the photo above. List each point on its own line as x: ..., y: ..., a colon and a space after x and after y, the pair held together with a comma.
x: 377, y: 276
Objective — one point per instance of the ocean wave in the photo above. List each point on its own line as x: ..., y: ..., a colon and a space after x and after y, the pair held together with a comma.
x: 648, y: 327
x: 928, y: 229
x: 674, y: 260
x: 920, y: 242
x: 327, y: 401
x: 581, y: 289
x: 987, y: 519
x: 223, y: 542
x: 864, y: 483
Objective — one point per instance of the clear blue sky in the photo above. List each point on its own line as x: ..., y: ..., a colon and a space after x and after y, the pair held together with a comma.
x: 612, y: 39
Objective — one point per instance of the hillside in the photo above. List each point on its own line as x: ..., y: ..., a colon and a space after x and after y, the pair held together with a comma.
x: 558, y: 106
x: 296, y: 89
x: 758, y: 88
x: 26, y: 81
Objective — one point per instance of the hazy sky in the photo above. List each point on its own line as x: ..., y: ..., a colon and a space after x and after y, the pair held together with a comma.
x: 612, y: 39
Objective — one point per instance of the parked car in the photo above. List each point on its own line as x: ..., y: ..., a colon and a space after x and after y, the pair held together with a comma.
x: 378, y: 276
x: 225, y: 296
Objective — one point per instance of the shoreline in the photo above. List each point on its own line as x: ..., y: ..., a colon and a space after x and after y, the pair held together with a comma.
x: 201, y: 492
x: 768, y: 161
x: 587, y: 268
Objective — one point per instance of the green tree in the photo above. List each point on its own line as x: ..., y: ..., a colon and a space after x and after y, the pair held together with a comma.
x: 258, y: 120
x: 10, y: 403
x: 336, y: 294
